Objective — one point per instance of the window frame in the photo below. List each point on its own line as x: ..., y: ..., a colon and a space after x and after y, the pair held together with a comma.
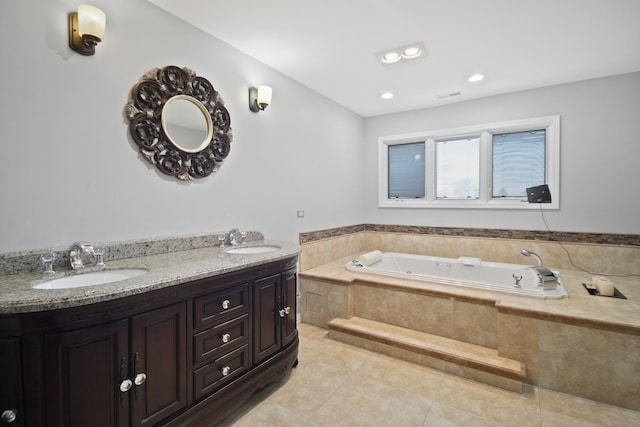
x: 551, y: 124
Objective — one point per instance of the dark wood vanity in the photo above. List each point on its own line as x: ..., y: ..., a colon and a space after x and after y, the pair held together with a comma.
x: 184, y: 355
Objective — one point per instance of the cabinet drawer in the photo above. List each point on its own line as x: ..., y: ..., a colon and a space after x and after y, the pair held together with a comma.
x: 220, y: 338
x: 220, y: 371
x: 220, y: 306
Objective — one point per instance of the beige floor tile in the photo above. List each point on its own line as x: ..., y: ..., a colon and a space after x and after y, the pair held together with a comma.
x: 311, y: 332
x: 312, y: 384
x: 565, y: 410
x: 401, y: 374
x: 497, y: 405
x: 336, y: 384
x: 306, y: 398
x: 445, y: 416
x: 340, y: 355
x: 266, y: 414
x: 367, y: 402
x: 310, y: 348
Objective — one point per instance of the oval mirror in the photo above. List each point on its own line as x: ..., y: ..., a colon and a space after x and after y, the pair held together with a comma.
x: 187, y: 123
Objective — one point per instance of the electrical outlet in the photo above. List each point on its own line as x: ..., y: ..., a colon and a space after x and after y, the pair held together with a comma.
x: 300, y: 214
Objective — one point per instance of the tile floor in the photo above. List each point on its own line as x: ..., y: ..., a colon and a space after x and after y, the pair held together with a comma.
x: 336, y: 384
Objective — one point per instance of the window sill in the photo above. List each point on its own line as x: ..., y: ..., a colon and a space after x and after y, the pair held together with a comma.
x: 466, y: 204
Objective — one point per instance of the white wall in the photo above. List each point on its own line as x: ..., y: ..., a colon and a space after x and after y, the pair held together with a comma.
x: 69, y: 170
x: 600, y: 156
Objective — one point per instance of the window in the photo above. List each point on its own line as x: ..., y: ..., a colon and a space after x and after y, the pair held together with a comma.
x: 458, y: 168
x: 484, y: 166
x: 518, y: 162
x: 406, y: 171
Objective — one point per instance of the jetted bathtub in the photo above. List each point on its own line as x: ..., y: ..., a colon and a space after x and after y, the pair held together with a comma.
x: 463, y: 272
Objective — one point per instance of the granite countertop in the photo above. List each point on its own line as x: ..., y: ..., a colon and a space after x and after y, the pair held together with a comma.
x: 164, y: 270
x: 580, y: 309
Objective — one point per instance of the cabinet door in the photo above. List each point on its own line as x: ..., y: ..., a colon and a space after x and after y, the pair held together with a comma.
x: 289, y: 298
x: 158, y: 364
x: 84, y: 371
x: 266, y: 303
x: 10, y: 382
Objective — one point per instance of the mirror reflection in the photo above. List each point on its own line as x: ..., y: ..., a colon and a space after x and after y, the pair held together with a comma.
x: 187, y: 123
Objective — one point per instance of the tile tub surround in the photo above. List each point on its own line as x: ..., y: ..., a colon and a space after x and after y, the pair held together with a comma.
x: 584, y: 345
x: 602, y: 253
x: 169, y: 262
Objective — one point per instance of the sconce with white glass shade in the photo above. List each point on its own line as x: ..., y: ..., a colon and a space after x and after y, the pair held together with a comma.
x: 259, y: 98
x: 86, y: 29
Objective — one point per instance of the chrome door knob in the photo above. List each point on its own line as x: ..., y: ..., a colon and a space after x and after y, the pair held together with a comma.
x: 281, y: 312
x: 140, y: 378
x: 8, y: 416
x: 126, y: 385
x: 287, y: 310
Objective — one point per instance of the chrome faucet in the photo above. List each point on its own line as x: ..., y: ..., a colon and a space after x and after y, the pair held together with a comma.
x: 75, y: 254
x: 547, y: 279
x: 533, y: 254
x: 236, y: 236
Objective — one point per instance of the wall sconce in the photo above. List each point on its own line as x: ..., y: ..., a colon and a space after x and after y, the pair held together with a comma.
x: 259, y: 98
x: 86, y: 29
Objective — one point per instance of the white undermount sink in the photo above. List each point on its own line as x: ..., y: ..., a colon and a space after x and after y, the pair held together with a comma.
x: 243, y: 250
x: 90, y: 279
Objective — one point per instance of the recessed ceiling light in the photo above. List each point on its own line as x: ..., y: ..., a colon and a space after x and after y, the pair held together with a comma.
x: 391, y: 57
x: 411, y: 52
x: 398, y: 54
x: 476, y: 78
x: 386, y: 95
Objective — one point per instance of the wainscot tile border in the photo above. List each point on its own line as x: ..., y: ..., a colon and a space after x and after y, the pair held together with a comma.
x: 550, y: 236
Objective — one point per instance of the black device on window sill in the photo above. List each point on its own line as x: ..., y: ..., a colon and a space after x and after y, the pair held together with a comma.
x: 539, y: 194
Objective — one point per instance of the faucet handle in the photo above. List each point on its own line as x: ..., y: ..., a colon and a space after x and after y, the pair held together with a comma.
x: 98, y: 252
x: 47, y: 260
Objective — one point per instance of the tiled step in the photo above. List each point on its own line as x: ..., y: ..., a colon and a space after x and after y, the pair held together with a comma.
x: 457, y: 357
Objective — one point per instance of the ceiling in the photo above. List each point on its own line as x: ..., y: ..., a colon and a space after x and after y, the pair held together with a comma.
x: 330, y: 45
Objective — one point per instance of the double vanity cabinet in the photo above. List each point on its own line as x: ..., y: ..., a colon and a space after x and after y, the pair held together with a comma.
x: 181, y: 355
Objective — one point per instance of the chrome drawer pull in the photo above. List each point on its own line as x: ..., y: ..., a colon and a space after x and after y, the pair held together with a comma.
x: 226, y: 338
x: 226, y: 304
x: 226, y: 371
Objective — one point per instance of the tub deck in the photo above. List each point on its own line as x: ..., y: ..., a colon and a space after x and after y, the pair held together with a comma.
x: 584, y: 345
x: 581, y: 308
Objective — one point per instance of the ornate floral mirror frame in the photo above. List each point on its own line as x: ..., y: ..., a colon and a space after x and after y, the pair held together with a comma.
x: 145, y: 113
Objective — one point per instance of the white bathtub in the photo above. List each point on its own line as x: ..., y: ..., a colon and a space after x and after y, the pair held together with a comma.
x: 463, y: 272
